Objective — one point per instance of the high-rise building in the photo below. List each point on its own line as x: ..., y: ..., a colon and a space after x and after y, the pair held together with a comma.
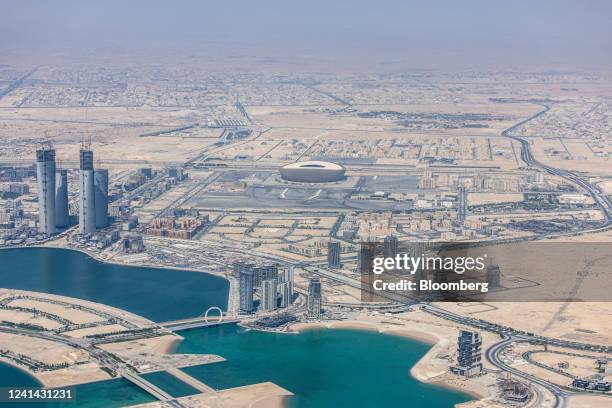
x: 315, y: 300
x: 266, y: 272
x: 101, y: 197
x: 462, y: 205
x: 494, y: 276
x: 390, y: 246
x: 241, y: 266
x: 285, y: 286
x: 284, y: 290
x: 87, y: 206
x: 333, y: 254
x: 469, y: 354
x: 246, y: 288
x: 62, y: 216
x: 366, y: 257
x: 45, y: 174
x: 146, y: 172
x: 269, y: 296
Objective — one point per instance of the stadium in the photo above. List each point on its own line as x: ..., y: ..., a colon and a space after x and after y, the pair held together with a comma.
x: 312, y: 172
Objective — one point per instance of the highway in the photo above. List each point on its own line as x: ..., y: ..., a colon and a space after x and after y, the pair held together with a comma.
x: 194, y: 323
x: 602, y: 200
x: 103, y: 358
x: 147, y: 386
x: 16, y: 84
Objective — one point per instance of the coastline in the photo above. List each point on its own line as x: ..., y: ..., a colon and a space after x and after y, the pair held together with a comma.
x: 45, y: 384
x: 141, y: 265
x: 99, y: 259
x: 90, y: 371
x: 23, y: 369
x: 421, y: 371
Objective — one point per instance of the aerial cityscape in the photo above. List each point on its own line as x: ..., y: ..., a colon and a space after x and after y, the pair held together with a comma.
x: 199, y: 227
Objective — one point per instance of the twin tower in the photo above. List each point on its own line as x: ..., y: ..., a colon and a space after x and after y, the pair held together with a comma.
x: 53, y: 194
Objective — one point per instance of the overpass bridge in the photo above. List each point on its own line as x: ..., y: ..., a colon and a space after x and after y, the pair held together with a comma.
x: 200, y: 321
x: 194, y: 323
x: 152, y: 389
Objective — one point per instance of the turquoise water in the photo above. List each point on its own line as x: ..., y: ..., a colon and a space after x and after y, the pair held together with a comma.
x: 323, y: 368
x: 105, y: 394
x: 112, y: 393
x: 170, y: 384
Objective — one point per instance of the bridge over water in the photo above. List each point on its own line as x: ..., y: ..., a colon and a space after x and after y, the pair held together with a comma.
x: 151, y: 389
x: 200, y: 321
x: 195, y: 323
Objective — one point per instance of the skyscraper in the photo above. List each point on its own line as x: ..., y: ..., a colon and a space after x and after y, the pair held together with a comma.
x: 315, y: 301
x: 45, y: 174
x: 333, y: 254
x: 285, y: 286
x: 62, y: 216
x: 366, y: 257
x: 494, y: 276
x: 390, y: 246
x: 101, y: 197
x: 284, y: 291
x: 246, y: 287
x: 269, y: 295
x: 87, y: 208
x: 469, y: 354
x: 266, y: 272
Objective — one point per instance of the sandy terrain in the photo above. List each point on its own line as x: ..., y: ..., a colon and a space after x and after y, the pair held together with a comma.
x: 589, y: 401
x: 70, y: 313
x: 81, y: 367
x: 156, y: 345
x: 83, y: 373
x: 95, y: 330
x: 74, y: 315
x: 263, y: 395
x: 115, y: 132
x: 578, y: 321
x: 489, y: 198
x: 45, y: 351
x: 27, y: 318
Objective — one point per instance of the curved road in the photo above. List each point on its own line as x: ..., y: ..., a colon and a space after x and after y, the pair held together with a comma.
x: 600, y: 197
x: 492, y: 354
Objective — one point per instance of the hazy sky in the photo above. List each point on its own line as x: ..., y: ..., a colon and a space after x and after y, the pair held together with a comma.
x: 429, y: 33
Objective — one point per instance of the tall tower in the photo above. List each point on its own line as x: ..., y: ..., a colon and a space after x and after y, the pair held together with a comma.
x: 315, y: 301
x: 87, y: 205
x: 494, y: 276
x: 366, y: 257
x: 285, y: 286
x: 333, y: 254
x: 390, y: 246
x: 45, y: 173
x: 246, y: 287
x: 62, y: 218
x: 269, y: 295
x: 101, y: 197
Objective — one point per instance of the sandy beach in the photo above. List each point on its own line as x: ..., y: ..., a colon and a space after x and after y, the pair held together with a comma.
x: 431, y: 368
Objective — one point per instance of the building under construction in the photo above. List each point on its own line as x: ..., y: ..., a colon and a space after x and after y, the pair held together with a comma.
x: 515, y: 391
